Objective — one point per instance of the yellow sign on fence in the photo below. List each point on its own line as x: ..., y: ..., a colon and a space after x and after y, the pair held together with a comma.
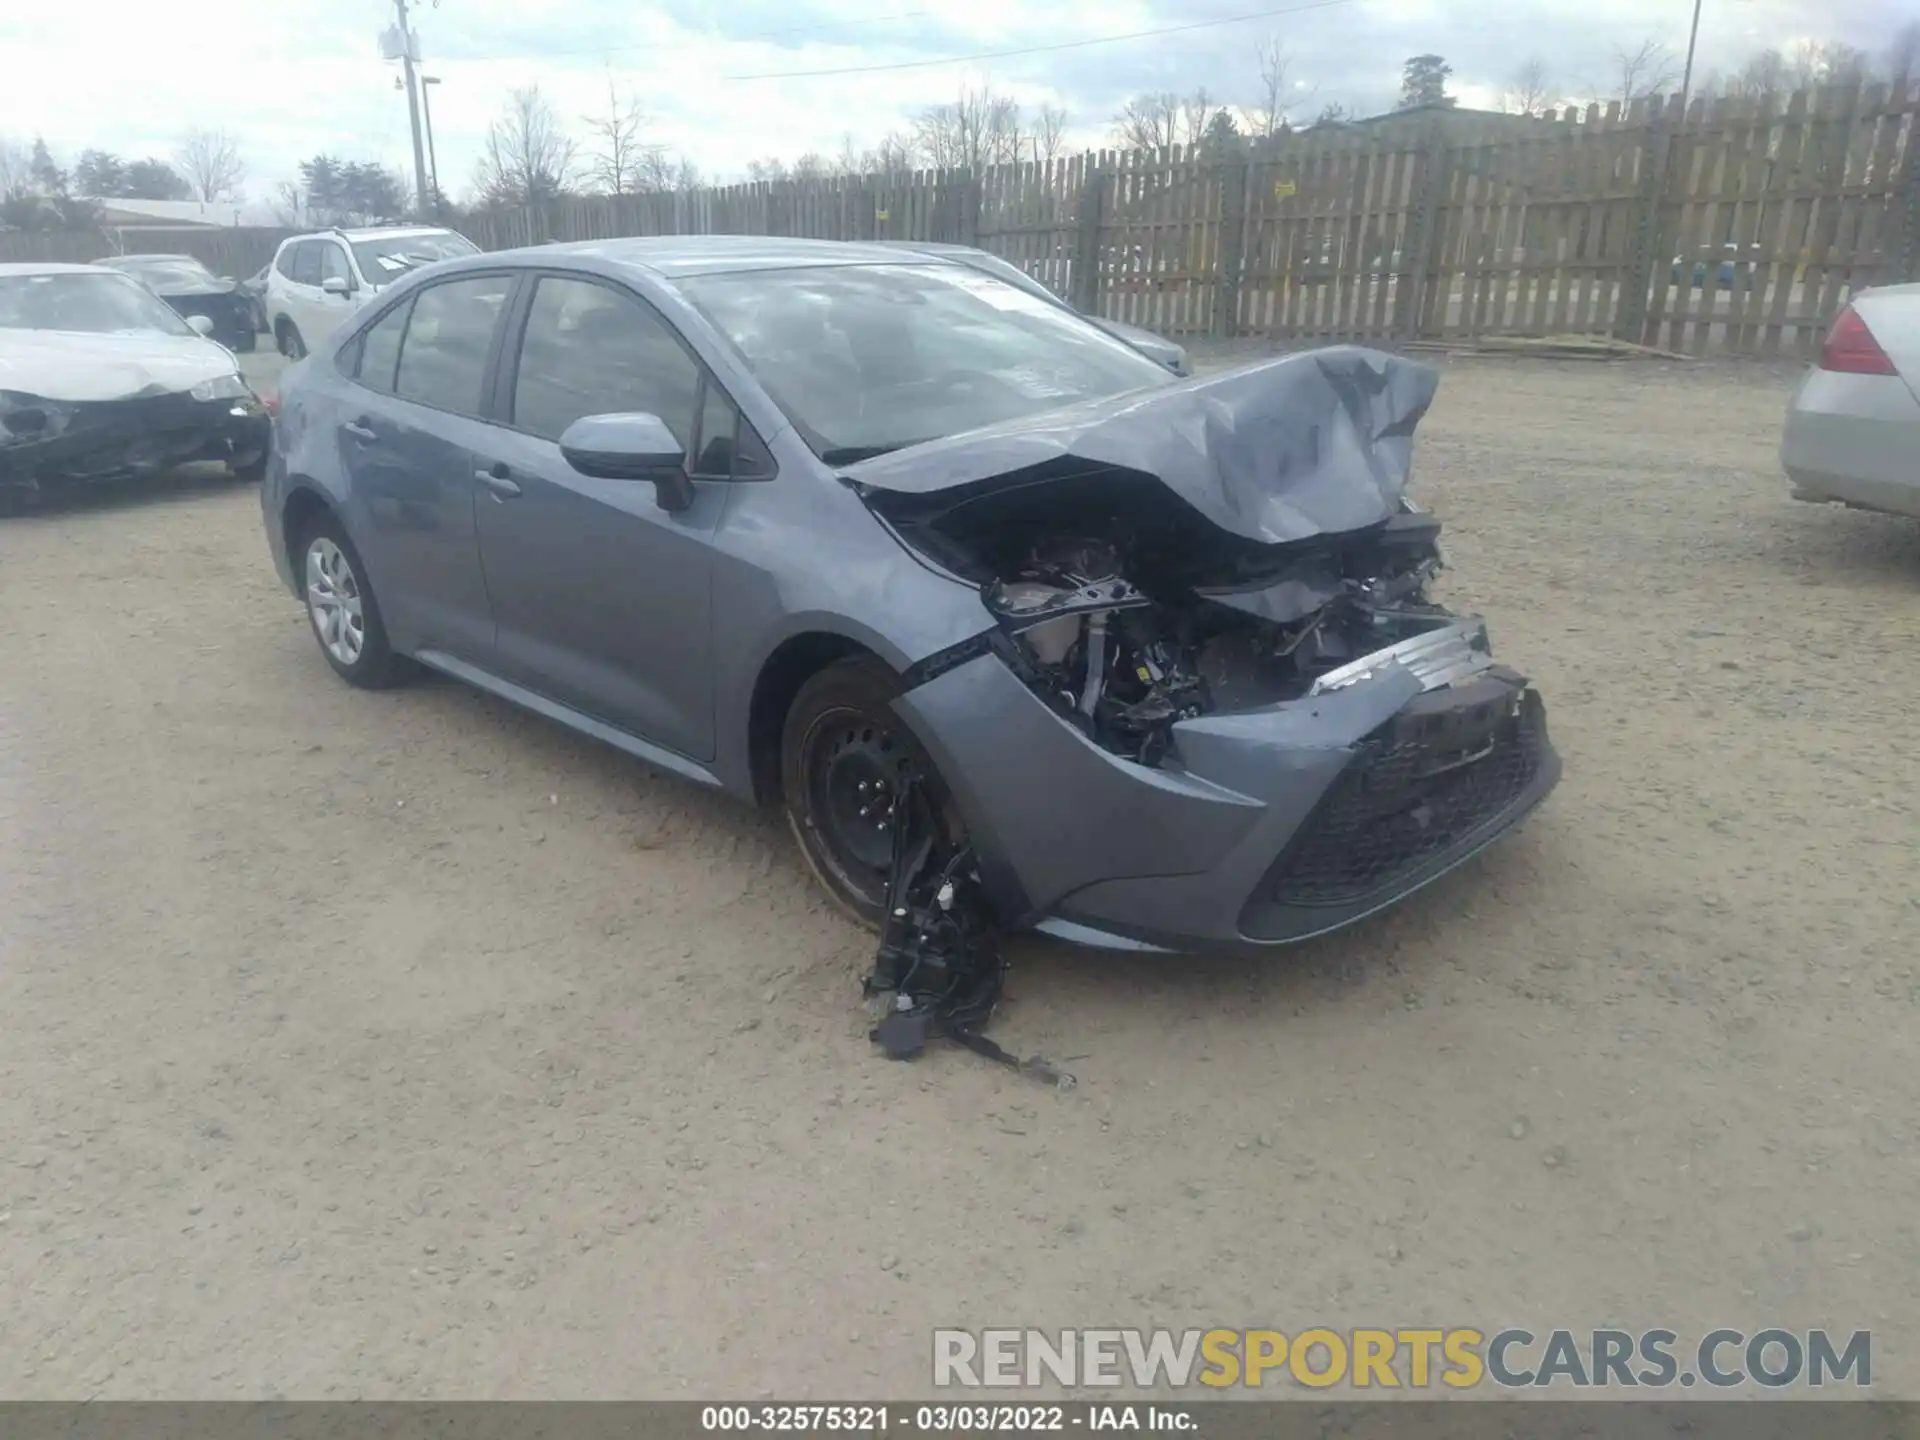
x: 1284, y: 189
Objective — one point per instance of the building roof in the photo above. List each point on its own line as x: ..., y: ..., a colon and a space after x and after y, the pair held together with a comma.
x: 183, y: 214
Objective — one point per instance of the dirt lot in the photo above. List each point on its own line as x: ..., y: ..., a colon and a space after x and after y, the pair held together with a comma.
x: 404, y: 1045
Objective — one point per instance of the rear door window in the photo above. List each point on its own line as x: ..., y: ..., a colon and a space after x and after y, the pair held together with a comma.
x: 379, y: 349
x: 306, y: 263
x: 449, y: 335
x: 333, y: 262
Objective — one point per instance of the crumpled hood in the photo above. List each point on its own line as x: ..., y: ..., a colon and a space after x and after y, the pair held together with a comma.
x: 77, y: 367
x: 1277, y: 452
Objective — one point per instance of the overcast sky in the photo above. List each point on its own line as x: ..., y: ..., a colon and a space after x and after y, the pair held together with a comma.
x: 303, y: 76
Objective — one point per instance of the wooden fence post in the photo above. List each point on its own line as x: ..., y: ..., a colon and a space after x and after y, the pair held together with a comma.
x: 1421, y: 264
x: 1086, y: 261
x: 1656, y: 151
x: 1232, y: 173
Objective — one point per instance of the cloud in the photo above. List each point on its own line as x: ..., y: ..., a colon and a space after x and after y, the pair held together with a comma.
x: 305, y: 76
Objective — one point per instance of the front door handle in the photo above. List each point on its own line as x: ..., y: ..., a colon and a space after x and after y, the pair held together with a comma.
x: 499, y: 480
x: 359, y: 431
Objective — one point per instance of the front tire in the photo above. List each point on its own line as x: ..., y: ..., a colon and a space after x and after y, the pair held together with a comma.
x: 291, y: 345
x: 843, y: 754
x: 342, y: 610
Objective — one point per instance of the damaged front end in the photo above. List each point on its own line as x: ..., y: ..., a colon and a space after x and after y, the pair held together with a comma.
x: 1258, y: 723
x: 49, y: 443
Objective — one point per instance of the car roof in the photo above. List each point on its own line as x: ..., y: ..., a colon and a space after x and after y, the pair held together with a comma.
x: 675, y: 255
x: 122, y: 259
x: 52, y: 267
x: 368, y: 232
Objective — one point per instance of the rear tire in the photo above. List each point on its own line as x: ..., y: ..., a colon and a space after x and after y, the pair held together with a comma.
x: 843, y: 751
x: 291, y: 345
x: 341, y: 608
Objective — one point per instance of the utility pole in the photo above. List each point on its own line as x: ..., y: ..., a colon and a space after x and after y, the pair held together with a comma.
x: 1686, y: 78
x: 433, y: 163
x: 413, y: 106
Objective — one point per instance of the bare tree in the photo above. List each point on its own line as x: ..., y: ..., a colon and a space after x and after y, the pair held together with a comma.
x: 811, y: 166
x: 1196, y: 115
x: 1269, y: 116
x: 892, y: 156
x: 1153, y: 121
x: 288, y: 205
x: 1049, y: 133
x: 1814, y: 62
x: 210, y: 159
x: 527, y: 157
x: 1527, y: 92
x: 1148, y: 121
x: 974, y: 131
x: 847, y: 160
x: 1766, y: 73
x: 1647, y: 69
x: 16, y: 167
x: 616, y: 152
x: 1900, y: 59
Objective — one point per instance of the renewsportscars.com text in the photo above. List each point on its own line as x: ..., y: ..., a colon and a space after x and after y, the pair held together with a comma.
x: 1408, y: 1358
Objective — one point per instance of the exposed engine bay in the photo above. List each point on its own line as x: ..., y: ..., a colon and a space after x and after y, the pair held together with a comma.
x: 1126, y: 628
x: 1182, y: 576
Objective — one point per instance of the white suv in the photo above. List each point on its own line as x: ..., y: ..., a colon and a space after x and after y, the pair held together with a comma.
x: 317, y: 281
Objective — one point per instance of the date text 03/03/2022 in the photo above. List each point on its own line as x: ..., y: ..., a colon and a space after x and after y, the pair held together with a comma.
x: 969, y: 1419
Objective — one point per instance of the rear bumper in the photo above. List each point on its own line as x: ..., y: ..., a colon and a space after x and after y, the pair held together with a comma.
x: 1284, y: 823
x: 1854, y: 439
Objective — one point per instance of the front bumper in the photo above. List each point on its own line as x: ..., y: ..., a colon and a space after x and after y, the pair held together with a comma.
x: 1854, y: 439
x: 115, y: 440
x: 1282, y: 823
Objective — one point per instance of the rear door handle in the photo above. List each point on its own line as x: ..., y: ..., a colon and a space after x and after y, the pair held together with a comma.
x: 499, y: 480
x: 359, y: 431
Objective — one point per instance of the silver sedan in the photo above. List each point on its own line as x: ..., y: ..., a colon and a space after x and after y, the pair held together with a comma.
x: 1853, y: 429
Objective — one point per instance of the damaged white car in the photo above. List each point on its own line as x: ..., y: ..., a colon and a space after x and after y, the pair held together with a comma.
x: 100, y: 381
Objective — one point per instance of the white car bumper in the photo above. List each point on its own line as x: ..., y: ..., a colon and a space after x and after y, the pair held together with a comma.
x: 1854, y: 439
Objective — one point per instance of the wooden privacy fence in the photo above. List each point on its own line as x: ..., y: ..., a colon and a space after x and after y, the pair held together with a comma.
x: 234, y: 251
x: 1733, y: 226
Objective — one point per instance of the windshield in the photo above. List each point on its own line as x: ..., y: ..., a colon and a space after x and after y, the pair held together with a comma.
x: 391, y: 256
x: 866, y: 359
x: 169, y: 270
x: 95, y: 304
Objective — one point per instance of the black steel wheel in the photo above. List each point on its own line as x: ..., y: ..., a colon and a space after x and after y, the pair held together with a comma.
x: 843, y: 757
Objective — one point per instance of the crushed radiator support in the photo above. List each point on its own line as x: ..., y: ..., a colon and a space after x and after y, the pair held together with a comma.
x: 939, y: 959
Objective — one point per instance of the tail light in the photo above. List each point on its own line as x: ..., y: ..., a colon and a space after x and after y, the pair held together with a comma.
x: 1851, y: 348
x: 271, y: 399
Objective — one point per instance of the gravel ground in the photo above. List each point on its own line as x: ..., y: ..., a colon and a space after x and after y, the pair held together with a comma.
x: 405, y: 1045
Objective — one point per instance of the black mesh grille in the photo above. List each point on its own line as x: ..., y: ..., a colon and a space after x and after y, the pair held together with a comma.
x: 1428, y: 781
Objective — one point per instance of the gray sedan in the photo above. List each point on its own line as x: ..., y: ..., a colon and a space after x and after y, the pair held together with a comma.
x: 1009, y: 621
x: 1853, y: 428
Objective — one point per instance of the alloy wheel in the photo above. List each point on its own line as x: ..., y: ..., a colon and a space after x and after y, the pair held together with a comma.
x: 334, y: 601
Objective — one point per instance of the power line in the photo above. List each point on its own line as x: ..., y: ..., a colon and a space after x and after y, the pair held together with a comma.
x: 726, y: 39
x: 1042, y: 49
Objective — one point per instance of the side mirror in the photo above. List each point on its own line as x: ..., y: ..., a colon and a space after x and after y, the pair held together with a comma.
x: 635, y: 446
x: 335, y: 285
x: 200, y: 324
